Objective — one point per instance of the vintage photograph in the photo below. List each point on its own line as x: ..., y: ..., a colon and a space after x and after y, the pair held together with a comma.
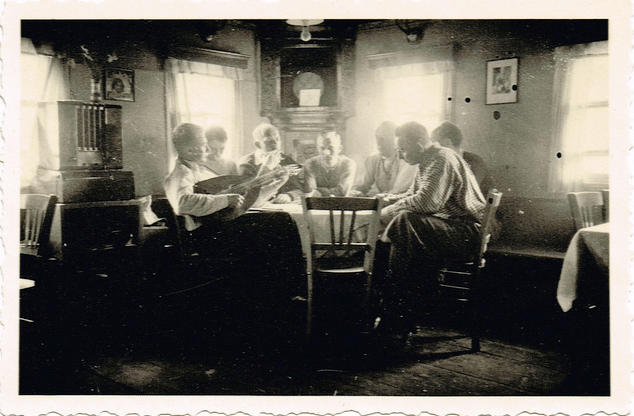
x: 502, y: 83
x: 119, y: 84
x: 266, y: 218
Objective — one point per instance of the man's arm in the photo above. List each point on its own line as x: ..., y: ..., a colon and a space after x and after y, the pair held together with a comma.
x: 433, y: 189
x: 309, y: 176
x: 293, y: 186
x: 346, y: 178
x: 247, y: 167
x: 368, y: 178
x: 179, y: 189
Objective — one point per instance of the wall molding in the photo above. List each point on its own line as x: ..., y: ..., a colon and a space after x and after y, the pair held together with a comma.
x: 210, y: 56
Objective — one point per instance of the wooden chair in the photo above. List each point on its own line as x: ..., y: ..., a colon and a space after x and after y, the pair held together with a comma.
x: 464, y: 277
x: 347, y: 254
x: 587, y: 208
x: 190, y: 269
x: 606, y: 204
x: 36, y: 219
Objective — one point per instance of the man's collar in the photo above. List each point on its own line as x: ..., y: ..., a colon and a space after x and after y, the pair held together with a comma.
x: 257, y: 156
x: 191, y: 165
x: 188, y: 163
x: 433, y: 145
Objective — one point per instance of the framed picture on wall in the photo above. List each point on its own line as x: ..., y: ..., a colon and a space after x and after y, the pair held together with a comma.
x: 119, y: 84
x: 502, y: 84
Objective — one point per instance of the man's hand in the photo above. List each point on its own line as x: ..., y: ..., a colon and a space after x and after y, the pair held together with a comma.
x: 356, y: 193
x: 272, y: 187
x: 235, y: 200
x: 388, y: 199
x: 314, y: 194
x: 292, y: 169
x: 282, y: 199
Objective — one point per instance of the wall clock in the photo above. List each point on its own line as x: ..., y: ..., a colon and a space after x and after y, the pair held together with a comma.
x: 308, y: 87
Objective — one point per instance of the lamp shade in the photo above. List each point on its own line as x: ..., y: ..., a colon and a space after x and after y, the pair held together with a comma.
x: 304, y: 22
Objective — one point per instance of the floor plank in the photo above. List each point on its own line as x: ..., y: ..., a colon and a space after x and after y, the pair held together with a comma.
x: 437, y: 362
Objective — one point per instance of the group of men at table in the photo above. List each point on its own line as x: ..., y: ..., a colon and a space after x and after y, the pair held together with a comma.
x: 433, y: 196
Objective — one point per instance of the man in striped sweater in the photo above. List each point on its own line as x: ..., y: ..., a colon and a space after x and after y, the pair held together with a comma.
x: 436, y: 219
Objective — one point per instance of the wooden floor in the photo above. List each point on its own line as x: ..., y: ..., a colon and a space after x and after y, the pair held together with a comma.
x: 435, y: 363
x: 91, y: 341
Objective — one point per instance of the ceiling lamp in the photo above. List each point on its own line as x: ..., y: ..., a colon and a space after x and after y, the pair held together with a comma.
x: 305, y: 24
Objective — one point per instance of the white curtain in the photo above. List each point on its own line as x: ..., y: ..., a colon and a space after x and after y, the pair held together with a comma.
x: 415, y: 92
x: 42, y: 79
x: 580, y: 137
x: 205, y: 94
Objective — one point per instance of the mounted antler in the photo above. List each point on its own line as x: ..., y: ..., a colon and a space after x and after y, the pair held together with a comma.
x: 414, y: 33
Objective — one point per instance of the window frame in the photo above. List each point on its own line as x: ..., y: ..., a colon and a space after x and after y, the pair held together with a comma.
x: 562, y: 161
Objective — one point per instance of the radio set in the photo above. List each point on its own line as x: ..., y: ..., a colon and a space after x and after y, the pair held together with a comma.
x: 81, y: 152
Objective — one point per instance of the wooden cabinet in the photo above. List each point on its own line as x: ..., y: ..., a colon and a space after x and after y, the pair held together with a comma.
x: 95, y: 232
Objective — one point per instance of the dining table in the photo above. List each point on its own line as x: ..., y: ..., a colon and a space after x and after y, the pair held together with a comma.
x: 320, y: 222
x: 586, y: 268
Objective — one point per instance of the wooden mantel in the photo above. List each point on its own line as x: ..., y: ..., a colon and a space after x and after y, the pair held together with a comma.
x: 300, y: 125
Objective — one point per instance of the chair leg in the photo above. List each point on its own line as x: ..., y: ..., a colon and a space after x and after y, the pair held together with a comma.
x: 309, y: 311
x: 475, y: 343
x: 475, y: 313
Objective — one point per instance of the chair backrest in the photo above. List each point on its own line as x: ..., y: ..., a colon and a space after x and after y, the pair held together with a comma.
x: 36, y: 219
x: 347, y: 231
x: 176, y: 224
x: 587, y: 208
x: 606, y: 204
x: 492, y: 203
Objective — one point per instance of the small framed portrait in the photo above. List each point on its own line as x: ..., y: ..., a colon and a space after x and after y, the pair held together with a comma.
x: 502, y: 84
x: 119, y: 84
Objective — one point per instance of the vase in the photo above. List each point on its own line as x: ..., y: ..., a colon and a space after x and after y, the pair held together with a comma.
x: 95, y: 90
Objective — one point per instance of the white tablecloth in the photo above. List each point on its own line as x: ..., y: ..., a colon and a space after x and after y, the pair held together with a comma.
x: 321, y: 221
x: 590, y: 244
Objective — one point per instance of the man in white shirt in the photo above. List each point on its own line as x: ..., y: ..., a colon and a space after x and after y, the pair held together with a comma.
x: 193, y: 151
x: 264, y: 248
x: 385, y: 172
x: 269, y: 156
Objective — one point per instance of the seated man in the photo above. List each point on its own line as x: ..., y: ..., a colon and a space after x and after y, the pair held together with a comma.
x: 385, y: 172
x: 267, y: 157
x: 330, y: 173
x: 191, y: 145
x: 217, y: 140
x: 449, y: 135
x: 437, y: 219
x: 190, y: 168
x: 266, y: 245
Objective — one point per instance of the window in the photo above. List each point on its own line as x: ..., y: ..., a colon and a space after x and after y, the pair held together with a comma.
x: 205, y: 94
x: 582, y: 118
x: 415, y: 92
x: 42, y: 79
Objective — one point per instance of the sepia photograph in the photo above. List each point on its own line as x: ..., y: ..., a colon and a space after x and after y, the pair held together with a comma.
x: 289, y: 209
x: 119, y: 84
x: 502, y: 83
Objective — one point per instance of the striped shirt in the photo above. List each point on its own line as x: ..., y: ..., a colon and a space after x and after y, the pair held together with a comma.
x: 444, y: 187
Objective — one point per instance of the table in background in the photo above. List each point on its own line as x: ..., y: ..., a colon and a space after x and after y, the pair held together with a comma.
x: 583, y: 294
x: 585, y: 271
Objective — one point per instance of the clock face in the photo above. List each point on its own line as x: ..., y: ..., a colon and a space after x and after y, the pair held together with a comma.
x: 308, y: 81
